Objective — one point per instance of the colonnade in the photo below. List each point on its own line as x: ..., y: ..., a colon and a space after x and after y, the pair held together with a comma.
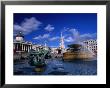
x: 22, y: 47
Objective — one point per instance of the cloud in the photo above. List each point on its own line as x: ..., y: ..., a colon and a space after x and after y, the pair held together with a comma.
x: 42, y: 36
x: 45, y: 36
x: 27, y: 26
x: 54, y: 38
x: 75, y: 33
x: 88, y: 36
x: 49, y: 28
x: 38, y: 37
x: 75, y: 36
x: 69, y: 39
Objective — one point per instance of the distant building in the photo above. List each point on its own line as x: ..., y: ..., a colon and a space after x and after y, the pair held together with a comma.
x: 54, y: 50
x: 36, y: 47
x: 91, y: 45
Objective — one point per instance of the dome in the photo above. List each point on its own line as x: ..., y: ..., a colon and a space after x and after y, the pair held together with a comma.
x: 20, y: 35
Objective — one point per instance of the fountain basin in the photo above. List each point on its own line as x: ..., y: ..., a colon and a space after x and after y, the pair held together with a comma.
x: 39, y: 69
x: 76, y: 55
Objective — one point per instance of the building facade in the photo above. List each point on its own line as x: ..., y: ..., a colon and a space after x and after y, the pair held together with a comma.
x: 91, y: 45
x: 54, y: 50
x: 19, y: 45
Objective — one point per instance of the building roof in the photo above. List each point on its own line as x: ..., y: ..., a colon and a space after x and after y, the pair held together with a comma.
x: 20, y: 35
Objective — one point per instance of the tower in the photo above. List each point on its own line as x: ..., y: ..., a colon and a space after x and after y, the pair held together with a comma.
x: 62, y: 46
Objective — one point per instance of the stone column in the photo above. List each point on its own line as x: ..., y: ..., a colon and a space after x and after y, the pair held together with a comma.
x: 22, y: 47
x: 16, y: 46
x: 26, y: 48
x: 30, y: 47
x: 19, y: 47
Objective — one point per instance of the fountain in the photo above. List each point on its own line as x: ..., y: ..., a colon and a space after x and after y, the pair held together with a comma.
x: 37, y: 59
x: 77, y: 50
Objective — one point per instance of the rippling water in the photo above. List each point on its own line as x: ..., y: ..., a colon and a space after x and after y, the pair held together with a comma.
x: 58, y: 67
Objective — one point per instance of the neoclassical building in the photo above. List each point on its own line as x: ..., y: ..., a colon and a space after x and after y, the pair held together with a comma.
x: 19, y: 45
x: 22, y: 46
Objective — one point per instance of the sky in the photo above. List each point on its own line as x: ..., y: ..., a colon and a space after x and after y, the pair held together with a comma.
x: 41, y: 28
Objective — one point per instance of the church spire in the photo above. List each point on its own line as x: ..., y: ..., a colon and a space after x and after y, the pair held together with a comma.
x: 62, y: 42
x: 45, y: 45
